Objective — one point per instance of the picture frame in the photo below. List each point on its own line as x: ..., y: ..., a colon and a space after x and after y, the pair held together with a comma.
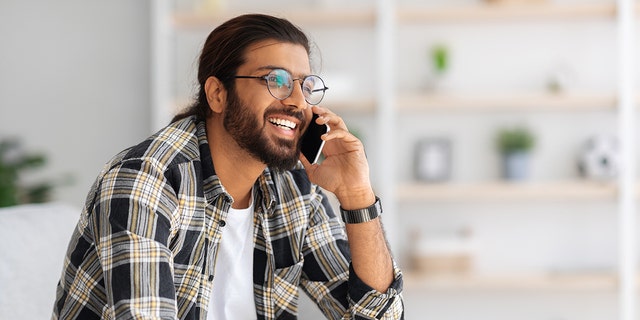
x: 433, y: 159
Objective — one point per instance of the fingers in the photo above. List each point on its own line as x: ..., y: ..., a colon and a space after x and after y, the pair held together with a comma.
x: 343, y: 135
x: 330, y: 118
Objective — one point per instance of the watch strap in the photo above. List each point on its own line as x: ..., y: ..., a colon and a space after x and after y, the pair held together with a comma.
x: 362, y: 215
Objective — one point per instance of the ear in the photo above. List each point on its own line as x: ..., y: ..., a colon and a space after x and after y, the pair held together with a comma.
x: 216, y: 94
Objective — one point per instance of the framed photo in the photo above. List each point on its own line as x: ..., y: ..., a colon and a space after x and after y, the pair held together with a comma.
x: 433, y: 159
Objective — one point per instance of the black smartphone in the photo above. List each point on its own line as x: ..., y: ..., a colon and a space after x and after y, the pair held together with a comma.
x: 311, y: 146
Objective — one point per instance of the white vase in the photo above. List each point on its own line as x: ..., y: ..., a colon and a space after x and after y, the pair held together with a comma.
x: 516, y: 165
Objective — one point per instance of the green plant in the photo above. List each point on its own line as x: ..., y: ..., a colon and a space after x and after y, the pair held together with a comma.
x: 515, y: 139
x: 440, y: 58
x: 13, y: 161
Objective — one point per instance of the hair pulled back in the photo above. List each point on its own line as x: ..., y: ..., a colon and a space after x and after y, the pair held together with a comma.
x: 224, y: 52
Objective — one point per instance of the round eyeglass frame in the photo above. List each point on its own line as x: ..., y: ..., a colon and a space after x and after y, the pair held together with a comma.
x: 273, y: 85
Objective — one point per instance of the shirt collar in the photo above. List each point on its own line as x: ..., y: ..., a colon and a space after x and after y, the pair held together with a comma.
x: 211, y: 183
x: 266, y: 186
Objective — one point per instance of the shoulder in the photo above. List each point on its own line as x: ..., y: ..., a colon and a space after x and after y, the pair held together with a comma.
x: 171, y: 145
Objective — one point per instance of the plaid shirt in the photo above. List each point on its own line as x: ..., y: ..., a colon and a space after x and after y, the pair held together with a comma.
x: 146, y: 244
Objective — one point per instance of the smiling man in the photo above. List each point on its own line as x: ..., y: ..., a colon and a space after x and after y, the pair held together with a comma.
x: 219, y: 216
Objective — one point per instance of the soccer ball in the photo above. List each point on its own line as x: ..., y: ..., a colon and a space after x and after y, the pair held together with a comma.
x: 599, y: 158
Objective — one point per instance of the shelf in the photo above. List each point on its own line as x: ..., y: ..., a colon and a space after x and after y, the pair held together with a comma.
x: 320, y: 17
x: 487, y: 12
x: 417, y: 14
x: 599, y: 281
x: 506, y: 191
x: 504, y: 102
x: 411, y: 103
x: 350, y: 105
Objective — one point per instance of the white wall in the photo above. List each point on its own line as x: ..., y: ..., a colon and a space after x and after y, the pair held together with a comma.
x: 74, y: 82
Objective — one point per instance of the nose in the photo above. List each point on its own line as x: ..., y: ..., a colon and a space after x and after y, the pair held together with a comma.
x: 296, y: 98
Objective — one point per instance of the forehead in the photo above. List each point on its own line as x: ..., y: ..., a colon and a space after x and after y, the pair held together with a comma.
x: 269, y: 54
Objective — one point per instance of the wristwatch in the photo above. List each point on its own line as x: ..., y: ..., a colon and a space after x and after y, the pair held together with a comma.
x: 362, y: 215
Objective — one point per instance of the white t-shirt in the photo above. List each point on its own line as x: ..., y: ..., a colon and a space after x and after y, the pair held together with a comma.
x: 232, y: 295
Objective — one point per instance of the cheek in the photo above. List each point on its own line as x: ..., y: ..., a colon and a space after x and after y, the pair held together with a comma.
x: 255, y: 95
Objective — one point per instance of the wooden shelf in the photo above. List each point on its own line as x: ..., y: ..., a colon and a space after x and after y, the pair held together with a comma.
x: 505, y: 191
x: 350, y: 105
x: 599, y: 281
x: 412, y: 14
x: 411, y: 103
x: 502, y: 102
x: 469, y: 13
x: 305, y: 17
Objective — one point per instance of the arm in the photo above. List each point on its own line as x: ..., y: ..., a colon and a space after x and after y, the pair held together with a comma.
x: 369, y: 252
x: 329, y: 277
x: 345, y: 172
x: 132, y: 225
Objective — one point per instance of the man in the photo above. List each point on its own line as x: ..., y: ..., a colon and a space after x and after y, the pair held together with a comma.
x: 218, y: 215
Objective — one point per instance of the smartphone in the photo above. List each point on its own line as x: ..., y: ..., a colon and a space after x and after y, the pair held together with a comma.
x: 312, y: 144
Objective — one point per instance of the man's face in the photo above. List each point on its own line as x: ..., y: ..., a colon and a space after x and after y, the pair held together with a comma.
x: 268, y: 128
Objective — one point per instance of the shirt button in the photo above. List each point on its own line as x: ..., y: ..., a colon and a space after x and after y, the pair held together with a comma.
x: 222, y: 223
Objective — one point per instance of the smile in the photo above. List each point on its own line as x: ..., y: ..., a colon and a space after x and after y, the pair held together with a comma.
x: 282, y: 123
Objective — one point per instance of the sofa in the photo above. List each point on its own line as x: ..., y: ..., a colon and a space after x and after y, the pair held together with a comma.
x: 33, y: 241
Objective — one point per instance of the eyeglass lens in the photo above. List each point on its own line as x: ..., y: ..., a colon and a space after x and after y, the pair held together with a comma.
x: 280, y: 84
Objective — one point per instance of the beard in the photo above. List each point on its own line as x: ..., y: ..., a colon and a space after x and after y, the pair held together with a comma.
x: 244, y: 127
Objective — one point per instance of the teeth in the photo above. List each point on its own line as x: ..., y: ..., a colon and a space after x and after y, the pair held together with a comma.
x: 283, y: 123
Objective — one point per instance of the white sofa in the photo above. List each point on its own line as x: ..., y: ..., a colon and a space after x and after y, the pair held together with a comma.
x: 33, y: 241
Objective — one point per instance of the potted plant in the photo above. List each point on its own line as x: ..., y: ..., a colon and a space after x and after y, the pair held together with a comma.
x: 515, y: 145
x: 14, y: 161
x: 440, y: 60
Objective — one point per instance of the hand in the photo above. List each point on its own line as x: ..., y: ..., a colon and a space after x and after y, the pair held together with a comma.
x: 345, y: 170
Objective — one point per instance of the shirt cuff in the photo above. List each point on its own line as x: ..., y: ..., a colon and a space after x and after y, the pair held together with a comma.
x: 366, y: 301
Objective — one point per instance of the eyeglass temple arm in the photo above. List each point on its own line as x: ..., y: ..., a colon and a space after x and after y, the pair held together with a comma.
x: 323, y: 89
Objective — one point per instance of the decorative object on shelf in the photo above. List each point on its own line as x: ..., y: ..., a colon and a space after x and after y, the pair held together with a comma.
x: 433, y: 159
x: 14, y: 161
x: 599, y: 158
x: 441, y: 252
x: 515, y: 145
x: 561, y: 78
x: 440, y: 60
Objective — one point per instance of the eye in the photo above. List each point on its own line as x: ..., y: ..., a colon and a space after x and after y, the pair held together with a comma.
x: 308, y: 85
x: 280, y: 78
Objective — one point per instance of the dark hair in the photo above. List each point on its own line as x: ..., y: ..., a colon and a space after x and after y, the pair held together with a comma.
x: 224, y: 52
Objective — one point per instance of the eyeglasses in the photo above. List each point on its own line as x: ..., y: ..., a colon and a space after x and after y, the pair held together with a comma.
x: 280, y: 85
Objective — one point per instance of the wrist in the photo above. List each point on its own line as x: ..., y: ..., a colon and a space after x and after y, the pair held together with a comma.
x: 352, y: 199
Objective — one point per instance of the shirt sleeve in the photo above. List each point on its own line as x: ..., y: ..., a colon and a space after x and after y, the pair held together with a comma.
x: 368, y: 303
x: 132, y: 223
x: 329, y: 278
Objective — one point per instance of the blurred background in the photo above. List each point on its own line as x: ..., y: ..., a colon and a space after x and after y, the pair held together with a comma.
x: 493, y: 128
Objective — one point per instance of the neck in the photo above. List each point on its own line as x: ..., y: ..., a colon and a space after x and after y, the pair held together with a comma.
x: 235, y: 167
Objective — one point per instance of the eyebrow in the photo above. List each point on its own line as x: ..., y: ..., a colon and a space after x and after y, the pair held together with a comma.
x: 272, y: 67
